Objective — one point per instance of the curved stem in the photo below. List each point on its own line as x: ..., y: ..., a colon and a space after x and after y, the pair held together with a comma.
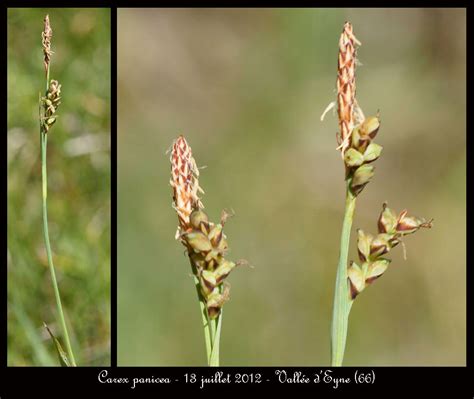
x: 342, y: 301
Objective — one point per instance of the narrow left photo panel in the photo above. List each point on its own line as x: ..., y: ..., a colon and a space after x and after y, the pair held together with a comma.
x: 59, y: 187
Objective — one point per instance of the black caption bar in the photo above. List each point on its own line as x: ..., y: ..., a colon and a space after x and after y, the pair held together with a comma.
x: 144, y: 380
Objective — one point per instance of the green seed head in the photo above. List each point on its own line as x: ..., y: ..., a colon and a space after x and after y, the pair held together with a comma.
x: 370, y: 127
x: 372, y: 152
x: 363, y: 245
x: 197, y: 217
x: 361, y: 177
x: 198, y: 241
x: 223, y: 270
x: 356, y: 279
x: 387, y: 222
x: 355, y: 137
x: 212, y: 257
x: 216, y: 300
x: 376, y: 269
x: 352, y: 158
x: 380, y: 245
x: 208, y: 282
x: 215, y: 235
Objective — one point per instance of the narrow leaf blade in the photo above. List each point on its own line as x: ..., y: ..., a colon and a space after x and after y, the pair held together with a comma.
x: 62, y: 356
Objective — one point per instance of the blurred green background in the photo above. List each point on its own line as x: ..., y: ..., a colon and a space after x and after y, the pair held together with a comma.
x: 247, y: 88
x: 78, y: 186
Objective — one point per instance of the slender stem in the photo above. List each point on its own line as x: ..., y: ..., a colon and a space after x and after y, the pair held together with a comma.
x: 44, y: 141
x: 342, y: 301
x: 208, y: 335
x: 217, y: 323
x: 205, y: 322
x: 44, y: 176
x: 212, y: 327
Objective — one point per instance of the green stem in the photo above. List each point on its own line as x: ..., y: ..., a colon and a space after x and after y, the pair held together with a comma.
x: 217, y: 323
x: 212, y: 327
x: 205, y: 322
x: 342, y: 301
x: 44, y: 142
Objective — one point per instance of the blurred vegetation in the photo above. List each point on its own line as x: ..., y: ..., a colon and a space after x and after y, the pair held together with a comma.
x: 247, y: 88
x: 78, y: 186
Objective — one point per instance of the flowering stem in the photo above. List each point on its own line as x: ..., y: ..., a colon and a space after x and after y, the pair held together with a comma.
x: 212, y: 329
x: 342, y: 301
x: 44, y: 140
x: 205, y: 242
x: 205, y: 322
x: 44, y: 176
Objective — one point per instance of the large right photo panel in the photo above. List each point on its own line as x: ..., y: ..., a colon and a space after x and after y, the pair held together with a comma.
x: 291, y: 187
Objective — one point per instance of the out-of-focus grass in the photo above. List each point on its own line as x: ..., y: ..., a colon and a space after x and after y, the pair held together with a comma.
x: 78, y: 192
x: 247, y: 88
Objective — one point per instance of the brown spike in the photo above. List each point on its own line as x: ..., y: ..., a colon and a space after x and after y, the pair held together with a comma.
x: 184, y: 182
x: 46, y: 36
x: 345, y: 84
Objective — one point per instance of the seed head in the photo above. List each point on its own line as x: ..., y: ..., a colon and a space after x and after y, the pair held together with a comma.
x: 205, y: 242
x: 371, y: 249
x: 185, y: 183
x: 50, y: 103
x: 46, y: 36
x: 346, y: 87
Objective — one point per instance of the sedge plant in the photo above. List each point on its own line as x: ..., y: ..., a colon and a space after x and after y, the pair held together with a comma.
x: 359, y: 151
x: 205, y: 243
x: 48, y: 105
